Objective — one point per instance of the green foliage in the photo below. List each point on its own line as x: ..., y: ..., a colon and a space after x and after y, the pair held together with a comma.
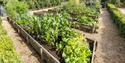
x: 84, y: 14
x: 21, y: 7
x: 3, y: 2
x: 80, y: 9
x: 36, y: 4
x: 14, y: 8
x: 118, y: 3
x: 118, y: 18
x: 98, y: 4
x: 115, y: 1
x: 92, y: 3
x: 76, y: 50
x: 70, y: 7
x: 7, y: 51
x: 50, y: 23
x: 10, y: 7
x: 55, y: 29
x: 87, y: 21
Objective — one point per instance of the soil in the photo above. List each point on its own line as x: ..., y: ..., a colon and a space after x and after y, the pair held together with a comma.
x: 25, y: 51
x: 111, y: 46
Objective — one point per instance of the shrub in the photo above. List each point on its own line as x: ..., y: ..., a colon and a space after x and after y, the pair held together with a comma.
x: 15, y: 8
x: 118, y: 17
x: 76, y: 50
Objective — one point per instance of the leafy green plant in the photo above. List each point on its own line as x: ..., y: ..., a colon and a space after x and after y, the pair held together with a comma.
x: 55, y: 29
x: 7, y: 51
x: 36, y: 4
x: 83, y: 14
x: 87, y: 21
x: 76, y: 50
x: 14, y: 8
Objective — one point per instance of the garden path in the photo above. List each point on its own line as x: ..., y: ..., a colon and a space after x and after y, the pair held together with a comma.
x: 26, y: 52
x: 111, y: 46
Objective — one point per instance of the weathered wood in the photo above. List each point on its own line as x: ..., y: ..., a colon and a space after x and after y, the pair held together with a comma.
x: 86, y: 28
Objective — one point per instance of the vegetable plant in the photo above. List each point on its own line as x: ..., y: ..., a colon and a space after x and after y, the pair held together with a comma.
x: 55, y: 29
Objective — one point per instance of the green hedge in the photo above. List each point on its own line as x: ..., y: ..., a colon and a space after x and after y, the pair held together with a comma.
x: 118, y: 17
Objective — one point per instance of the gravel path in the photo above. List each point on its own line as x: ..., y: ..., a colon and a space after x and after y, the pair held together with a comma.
x: 111, y: 47
x: 27, y: 54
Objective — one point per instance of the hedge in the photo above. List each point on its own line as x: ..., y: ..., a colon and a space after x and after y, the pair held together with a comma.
x: 118, y: 18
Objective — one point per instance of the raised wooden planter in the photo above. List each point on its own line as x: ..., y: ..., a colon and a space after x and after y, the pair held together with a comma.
x: 84, y: 28
x: 45, y: 55
x: 81, y: 27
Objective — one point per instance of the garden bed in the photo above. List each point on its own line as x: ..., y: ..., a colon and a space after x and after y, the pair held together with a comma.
x: 85, y: 28
x: 82, y: 27
x: 48, y: 55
